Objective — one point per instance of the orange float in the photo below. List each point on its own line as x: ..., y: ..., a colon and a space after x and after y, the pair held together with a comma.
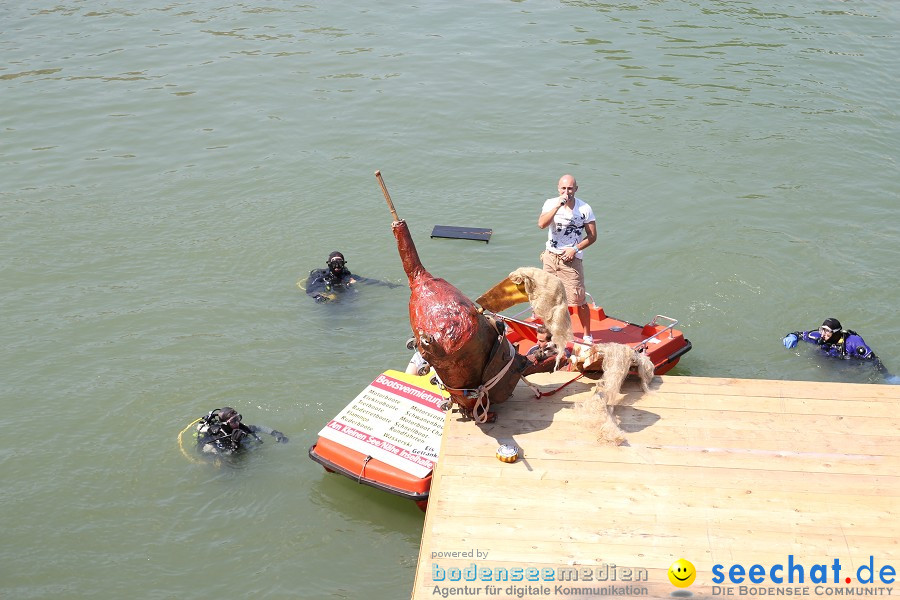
x: 388, y: 437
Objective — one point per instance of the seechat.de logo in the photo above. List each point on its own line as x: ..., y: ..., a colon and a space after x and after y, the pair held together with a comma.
x: 795, y: 571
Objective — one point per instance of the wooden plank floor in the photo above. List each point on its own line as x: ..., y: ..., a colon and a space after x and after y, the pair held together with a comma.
x: 716, y: 471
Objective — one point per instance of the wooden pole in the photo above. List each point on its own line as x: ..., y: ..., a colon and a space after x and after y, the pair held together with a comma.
x: 386, y: 195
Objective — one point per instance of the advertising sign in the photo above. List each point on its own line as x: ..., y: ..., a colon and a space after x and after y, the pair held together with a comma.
x: 397, y: 419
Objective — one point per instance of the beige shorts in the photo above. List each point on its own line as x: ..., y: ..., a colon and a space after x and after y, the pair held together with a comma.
x: 571, y: 273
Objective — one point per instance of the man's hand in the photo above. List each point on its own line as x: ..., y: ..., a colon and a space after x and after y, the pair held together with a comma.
x: 568, y: 254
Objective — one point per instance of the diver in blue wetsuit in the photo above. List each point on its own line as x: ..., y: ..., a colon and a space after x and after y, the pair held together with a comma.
x: 835, y: 341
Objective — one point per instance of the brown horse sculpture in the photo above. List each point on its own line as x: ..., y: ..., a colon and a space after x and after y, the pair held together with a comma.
x: 469, y: 351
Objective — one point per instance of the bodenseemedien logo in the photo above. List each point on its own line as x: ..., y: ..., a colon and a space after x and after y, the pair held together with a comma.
x: 524, y: 582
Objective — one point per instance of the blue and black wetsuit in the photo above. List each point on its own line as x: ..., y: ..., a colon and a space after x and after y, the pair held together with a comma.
x: 842, y: 343
x: 845, y: 343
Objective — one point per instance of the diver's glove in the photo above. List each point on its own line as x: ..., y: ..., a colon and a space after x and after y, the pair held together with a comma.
x: 790, y: 340
x: 280, y: 437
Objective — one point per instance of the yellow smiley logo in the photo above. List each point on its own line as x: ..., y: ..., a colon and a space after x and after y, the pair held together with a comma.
x: 682, y: 573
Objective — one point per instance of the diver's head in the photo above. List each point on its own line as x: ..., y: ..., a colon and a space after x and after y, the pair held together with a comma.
x: 336, y: 263
x: 229, y: 416
x: 830, y: 327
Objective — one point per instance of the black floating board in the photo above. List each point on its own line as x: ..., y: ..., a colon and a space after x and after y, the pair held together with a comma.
x: 462, y: 233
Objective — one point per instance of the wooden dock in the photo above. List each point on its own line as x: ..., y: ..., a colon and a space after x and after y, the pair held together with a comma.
x: 715, y: 471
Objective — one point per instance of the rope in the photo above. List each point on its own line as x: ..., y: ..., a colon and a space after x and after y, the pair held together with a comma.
x: 181, y: 445
x: 363, y: 470
x: 484, y: 388
x: 483, y: 401
x: 550, y: 393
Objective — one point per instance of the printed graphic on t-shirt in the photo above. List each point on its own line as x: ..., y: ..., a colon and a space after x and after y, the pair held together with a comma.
x: 567, y: 231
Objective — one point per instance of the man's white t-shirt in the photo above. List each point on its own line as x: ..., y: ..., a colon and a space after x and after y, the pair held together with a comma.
x: 567, y: 228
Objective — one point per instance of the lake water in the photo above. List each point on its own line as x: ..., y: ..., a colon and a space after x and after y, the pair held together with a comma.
x: 171, y: 169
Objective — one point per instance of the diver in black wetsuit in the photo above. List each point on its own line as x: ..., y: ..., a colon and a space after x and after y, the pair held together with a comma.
x: 221, y: 432
x: 323, y: 285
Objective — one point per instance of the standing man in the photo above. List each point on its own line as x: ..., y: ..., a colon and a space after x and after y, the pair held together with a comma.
x: 572, y: 229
